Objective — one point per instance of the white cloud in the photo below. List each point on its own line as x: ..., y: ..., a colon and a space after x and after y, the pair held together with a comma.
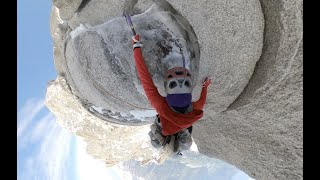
x: 89, y: 168
x: 43, y: 146
x: 40, y: 128
x: 27, y: 113
x: 54, y: 150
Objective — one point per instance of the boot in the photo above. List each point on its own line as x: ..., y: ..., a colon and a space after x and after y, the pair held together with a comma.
x: 157, y: 138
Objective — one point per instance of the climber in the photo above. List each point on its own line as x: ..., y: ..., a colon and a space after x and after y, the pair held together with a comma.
x: 176, y: 112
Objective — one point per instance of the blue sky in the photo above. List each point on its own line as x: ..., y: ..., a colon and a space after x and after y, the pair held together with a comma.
x: 44, y: 149
x: 35, y: 55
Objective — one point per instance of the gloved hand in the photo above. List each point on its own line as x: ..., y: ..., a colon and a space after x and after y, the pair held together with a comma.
x: 135, y: 41
x: 206, y: 81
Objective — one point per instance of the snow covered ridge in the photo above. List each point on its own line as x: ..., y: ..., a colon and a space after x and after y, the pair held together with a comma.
x: 134, y: 117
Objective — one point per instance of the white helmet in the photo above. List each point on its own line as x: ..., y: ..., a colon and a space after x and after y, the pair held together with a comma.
x: 178, y: 81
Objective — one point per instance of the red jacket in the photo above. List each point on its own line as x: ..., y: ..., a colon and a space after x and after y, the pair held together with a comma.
x: 171, y: 121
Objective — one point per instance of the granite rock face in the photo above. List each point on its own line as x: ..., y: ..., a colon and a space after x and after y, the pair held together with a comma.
x: 251, y: 49
x: 93, y: 48
x: 261, y: 131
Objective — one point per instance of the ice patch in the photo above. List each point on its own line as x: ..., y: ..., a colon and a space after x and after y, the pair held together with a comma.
x: 142, y: 115
x: 194, y: 147
x: 77, y: 31
x: 99, y: 109
x: 138, y: 114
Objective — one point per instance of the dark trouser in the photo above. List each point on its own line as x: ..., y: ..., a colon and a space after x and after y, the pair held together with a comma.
x: 182, y: 139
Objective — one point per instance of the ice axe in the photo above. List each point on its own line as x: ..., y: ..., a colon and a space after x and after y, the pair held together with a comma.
x: 129, y: 22
x: 128, y: 5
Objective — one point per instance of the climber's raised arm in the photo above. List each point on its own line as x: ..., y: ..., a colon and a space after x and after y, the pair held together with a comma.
x: 150, y: 89
x: 202, y: 101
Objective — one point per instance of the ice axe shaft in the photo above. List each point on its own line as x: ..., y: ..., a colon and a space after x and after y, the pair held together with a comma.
x: 129, y: 22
